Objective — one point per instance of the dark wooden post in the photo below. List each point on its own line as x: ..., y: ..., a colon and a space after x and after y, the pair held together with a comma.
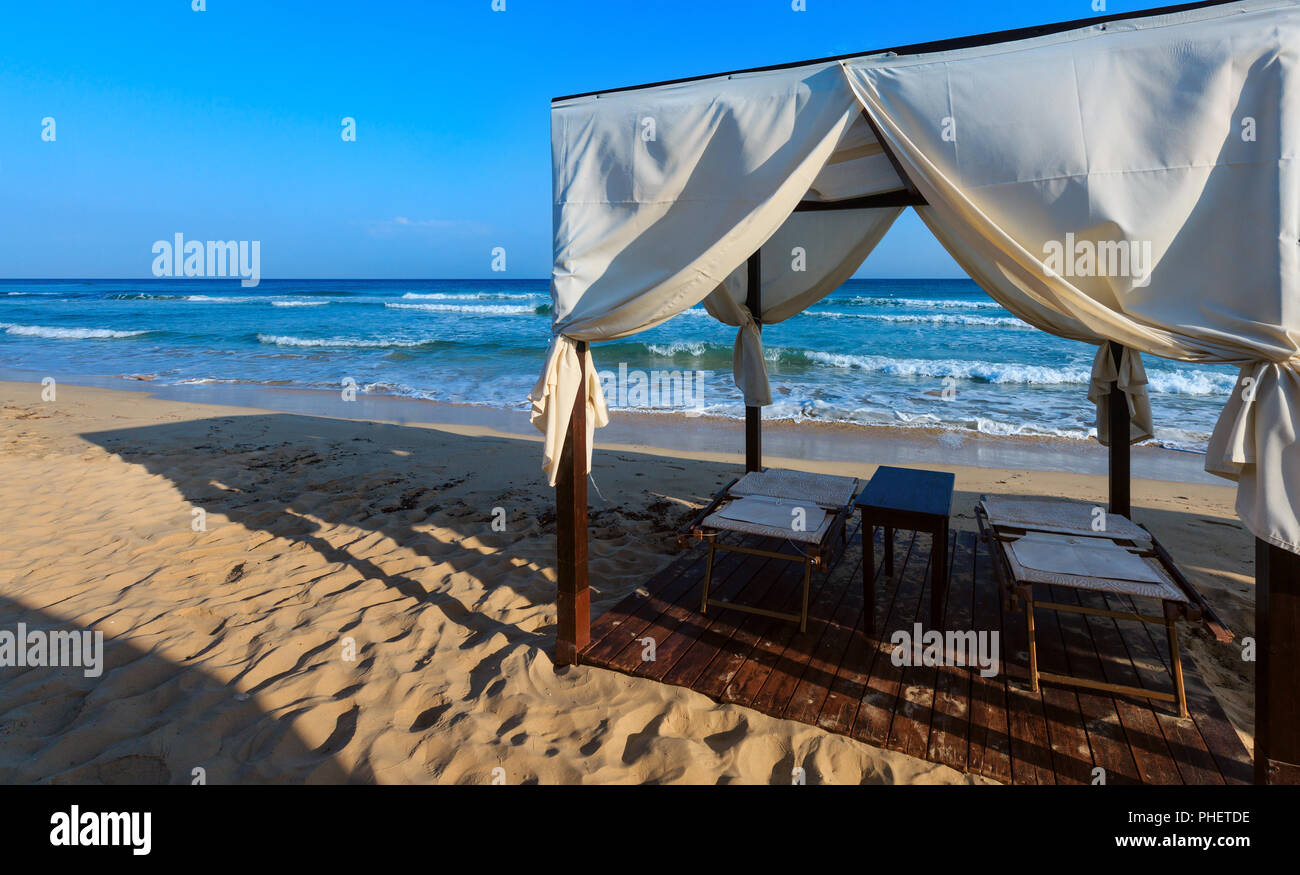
x: 573, y: 600
x: 1277, y: 665
x: 1120, y: 468
x: 754, y: 415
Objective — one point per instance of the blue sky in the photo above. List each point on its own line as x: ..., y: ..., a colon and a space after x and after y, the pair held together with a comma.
x: 225, y: 124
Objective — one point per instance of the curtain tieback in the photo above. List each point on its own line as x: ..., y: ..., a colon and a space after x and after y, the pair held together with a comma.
x: 558, y: 389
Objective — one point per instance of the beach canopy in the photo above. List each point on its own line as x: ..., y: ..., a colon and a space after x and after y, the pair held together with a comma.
x: 1130, y: 181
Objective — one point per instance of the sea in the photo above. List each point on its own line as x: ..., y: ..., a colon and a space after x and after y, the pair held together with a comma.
x: 933, y: 353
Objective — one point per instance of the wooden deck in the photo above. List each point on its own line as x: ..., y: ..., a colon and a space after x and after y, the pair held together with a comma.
x: 834, y: 677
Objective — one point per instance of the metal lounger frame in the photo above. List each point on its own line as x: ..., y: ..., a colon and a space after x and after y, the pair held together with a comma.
x: 819, y: 555
x: 1023, y: 592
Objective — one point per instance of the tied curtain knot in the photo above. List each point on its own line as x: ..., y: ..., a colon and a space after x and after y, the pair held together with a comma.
x: 748, y: 365
x: 554, y: 396
x: 1131, y: 377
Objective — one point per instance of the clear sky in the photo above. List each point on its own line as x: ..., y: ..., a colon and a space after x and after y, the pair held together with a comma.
x: 225, y: 124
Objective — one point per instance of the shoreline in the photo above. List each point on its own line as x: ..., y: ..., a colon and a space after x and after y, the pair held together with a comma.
x: 812, y: 441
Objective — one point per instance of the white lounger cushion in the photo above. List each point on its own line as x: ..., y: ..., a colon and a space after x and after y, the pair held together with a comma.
x: 1089, y: 557
x: 774, y: 512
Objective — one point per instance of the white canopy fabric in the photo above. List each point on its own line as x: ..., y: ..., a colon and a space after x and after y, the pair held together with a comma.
x: 1130, y: 181
x: 1136, y: 180
x: 809, y: 256
x: 661, y: 194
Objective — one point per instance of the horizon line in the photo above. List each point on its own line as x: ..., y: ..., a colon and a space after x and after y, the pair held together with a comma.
x: 404, y: 279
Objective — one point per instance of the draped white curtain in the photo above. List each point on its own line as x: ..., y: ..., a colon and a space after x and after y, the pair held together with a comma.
x: 660, y: 195
x: 810, y: 256
x: 1132, y: 181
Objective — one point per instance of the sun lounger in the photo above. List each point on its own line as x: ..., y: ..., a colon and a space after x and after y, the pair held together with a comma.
x: 1066, y: 544
x: 808, y: 511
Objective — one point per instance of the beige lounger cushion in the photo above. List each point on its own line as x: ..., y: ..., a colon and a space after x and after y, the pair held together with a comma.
x: 775, y: 512
x: 1089, y: 557
x: 1024, y: 530
x: 815, y: 536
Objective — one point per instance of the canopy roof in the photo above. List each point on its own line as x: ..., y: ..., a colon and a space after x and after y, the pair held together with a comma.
x: 1128, y: 179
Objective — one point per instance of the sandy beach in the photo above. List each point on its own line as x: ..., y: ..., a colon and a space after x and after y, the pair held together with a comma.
x: 297, y: 598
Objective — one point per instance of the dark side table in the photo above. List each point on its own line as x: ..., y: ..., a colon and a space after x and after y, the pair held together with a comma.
x: 904, y: 498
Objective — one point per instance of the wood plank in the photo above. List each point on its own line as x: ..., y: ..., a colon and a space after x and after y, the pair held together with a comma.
x: 1277, y: 669
x: 950, y: 723
x: 1106, y: 737
x: 684, y: 563
x: 845, y: 695
x: 828, y: 658
x: 740, y: 584
x: 1225, y: 745
x: 799, y: 655
x: 1154, y: 760
x: 718, y: 636
x: 909, y: 732
x: 1031, y: 749
x: 647, y: 609
x: 876, y: 712
x: 718, y: 674
x: 1120, y: 450
x: 990, y: 742
x: 681, y: 610
x: 1066, y: 725
x: 836, y: 677
x: 766, y: 654
x: 1149, y: 650
x: 754, y: 415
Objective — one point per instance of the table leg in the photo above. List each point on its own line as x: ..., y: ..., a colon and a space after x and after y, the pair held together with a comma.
x: 1033, y: 641
x: 939, y: 575
x: 1176, y: 663
x: 889, y: 552
x: 869, y: 577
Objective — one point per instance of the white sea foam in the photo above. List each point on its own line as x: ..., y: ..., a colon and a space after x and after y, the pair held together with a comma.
x: 990, y: 372
x: 690, y: 347
x: 923, y: 303
x: 1190, y: 382
x: 927, y: 319
x: 345, y: 342
x: 1158, y: 381
x: 470, y: 309
x: 66, y: 333
x: 474, y: 296
x: 299, y: 303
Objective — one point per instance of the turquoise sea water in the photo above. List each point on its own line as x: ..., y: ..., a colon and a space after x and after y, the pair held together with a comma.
x: 897, y: 352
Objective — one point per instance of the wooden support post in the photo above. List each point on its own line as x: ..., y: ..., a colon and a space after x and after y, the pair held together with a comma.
x: 573, y: 600
x: 1120, y: 469
x: 754, y: 415
x: 1277, y: 665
